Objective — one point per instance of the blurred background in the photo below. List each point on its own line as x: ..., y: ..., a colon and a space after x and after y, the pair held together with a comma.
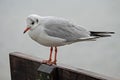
x: 101, y: 56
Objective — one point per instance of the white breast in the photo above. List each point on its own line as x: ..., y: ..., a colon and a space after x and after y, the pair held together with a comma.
x: 42, y: 38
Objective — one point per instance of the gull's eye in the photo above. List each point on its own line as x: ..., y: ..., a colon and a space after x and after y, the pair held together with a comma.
x: 33, y: 23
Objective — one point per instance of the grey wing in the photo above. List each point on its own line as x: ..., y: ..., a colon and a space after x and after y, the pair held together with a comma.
x: 65, y: 30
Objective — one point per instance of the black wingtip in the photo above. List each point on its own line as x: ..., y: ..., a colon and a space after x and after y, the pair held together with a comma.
x: 112, y: 32
x: 101, y: 34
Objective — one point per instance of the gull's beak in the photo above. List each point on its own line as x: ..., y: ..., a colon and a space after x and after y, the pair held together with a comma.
x: 28, y: 28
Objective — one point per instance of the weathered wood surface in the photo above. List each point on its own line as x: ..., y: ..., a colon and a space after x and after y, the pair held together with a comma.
x: 25, y: 67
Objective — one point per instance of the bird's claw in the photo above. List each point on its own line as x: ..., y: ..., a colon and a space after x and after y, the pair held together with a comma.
x: 49, y: 62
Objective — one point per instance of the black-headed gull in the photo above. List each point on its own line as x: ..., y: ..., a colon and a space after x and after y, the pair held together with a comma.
x: 53, y: 32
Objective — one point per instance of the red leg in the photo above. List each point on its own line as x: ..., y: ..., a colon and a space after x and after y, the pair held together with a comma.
x: 50, y: 57
x: 49, y: 62
x: 55, y: 57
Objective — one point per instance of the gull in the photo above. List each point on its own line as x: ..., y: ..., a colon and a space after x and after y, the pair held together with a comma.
x: 53, y: 32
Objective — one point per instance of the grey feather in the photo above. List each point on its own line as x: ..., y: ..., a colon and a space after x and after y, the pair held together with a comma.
x: 92, y: 38
x: 63, y: 29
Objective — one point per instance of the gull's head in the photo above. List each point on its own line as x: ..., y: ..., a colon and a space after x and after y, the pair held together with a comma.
x: 32, y: 22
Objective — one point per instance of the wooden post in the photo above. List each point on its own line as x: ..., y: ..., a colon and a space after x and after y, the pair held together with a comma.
x: 25, y: 67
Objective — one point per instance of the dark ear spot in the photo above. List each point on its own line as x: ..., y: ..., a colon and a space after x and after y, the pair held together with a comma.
x: 37, y: 20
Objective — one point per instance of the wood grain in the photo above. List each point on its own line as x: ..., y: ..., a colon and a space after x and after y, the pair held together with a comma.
x: 25, y: 67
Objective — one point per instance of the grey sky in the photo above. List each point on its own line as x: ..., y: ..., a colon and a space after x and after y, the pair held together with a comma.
x: 101, y: 56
